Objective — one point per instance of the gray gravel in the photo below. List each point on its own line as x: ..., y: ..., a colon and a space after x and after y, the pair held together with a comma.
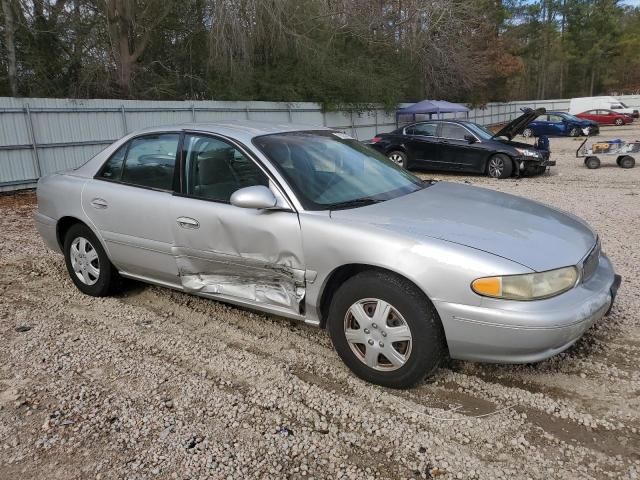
x: 158, y: 384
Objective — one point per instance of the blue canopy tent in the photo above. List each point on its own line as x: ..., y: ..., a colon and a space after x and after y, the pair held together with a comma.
x: 429, y: 107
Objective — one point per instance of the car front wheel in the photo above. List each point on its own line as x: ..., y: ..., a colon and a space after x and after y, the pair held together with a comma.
x: 619, y: 121
x: 527, y: 133
x: 88, y: 264
x: 499, y: 166
x: 574, y: 132
x: 398, y: 157
x: 386, y: 330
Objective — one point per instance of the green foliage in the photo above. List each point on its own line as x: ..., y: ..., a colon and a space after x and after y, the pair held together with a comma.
x: 336, y: 52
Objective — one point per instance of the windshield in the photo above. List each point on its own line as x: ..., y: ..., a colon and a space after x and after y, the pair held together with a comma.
x: 330, y: 170
x: 479, y: 130
x: 568, y: 116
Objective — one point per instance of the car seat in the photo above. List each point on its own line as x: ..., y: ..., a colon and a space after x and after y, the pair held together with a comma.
x: 214, y: 178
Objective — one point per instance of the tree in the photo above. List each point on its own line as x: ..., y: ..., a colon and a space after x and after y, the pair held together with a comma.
x: 131, y: 25
x: 331, y: 51
x: 9, y: 38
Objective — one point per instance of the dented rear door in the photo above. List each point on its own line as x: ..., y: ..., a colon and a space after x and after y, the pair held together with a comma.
x: 249, y: 256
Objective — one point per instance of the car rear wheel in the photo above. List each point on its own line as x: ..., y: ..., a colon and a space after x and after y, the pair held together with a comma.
x: 527, y: 133
x: 574, y: 132
x: 627, y: 161
x: 592, y: 162
x: 398, y: 157
x: 88, y: 264
x: 619, y: 121
x: 386, y: 330
x: 499, y: 166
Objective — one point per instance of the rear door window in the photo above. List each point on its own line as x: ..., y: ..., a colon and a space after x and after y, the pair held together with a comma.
x: 423, y: 129
x: 151, y: 161
x: 112, y: 169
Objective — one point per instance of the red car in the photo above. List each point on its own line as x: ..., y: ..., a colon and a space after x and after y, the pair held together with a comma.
x: 606, y: 117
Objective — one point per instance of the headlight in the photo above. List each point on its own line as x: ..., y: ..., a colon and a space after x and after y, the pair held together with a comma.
x: 528, y: 153
x: 530, y: 286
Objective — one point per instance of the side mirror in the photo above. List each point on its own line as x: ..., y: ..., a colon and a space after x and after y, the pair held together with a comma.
x: 470, y: 138
x: 257, y: 196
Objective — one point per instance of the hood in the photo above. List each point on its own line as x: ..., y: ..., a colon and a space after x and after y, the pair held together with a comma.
x: 516, y: 126
x: 529, y: 233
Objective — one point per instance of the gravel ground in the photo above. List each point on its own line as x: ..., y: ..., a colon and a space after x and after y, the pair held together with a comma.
x: 158, y: 384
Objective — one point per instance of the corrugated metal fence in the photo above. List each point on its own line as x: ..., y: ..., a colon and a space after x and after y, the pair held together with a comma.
x: 42, y: 135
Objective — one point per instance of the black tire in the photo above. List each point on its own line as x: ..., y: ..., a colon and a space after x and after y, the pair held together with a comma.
x: 592, y: 162
x: 398, y: 157
x: 527, y: 133
x: 499, y: 166
x: 627, y: 162
x: 574, y: 132
x: 428, y: 347
x: 619, y: 121
x: 108, y: 280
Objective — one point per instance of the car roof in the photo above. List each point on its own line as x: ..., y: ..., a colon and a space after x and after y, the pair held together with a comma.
x: 439, y: 120
x: 243, y: 130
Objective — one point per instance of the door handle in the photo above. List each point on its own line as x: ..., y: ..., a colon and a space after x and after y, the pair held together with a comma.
x: 188, y: 222
x: 99, y: 203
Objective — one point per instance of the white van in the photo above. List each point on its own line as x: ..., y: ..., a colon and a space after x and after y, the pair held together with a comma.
x: 583, y: 104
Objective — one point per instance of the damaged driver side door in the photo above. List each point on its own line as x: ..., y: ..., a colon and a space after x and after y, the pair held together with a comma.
x: 240, y: 255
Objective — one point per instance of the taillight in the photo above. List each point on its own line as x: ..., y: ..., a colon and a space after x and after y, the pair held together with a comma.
x: 375, y: 139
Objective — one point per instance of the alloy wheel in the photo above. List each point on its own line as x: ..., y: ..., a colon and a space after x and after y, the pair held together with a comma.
x: 377, y: 334
x: 85, y: 261
x: 496, y: 167
x: 396, y: 158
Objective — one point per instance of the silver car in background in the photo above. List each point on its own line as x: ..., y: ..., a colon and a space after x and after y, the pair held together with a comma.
x: 310, y: 224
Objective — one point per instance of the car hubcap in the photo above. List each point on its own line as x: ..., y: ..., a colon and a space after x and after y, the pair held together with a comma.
x: 396, y: 158
x: 495, y: 167
x: 378, y: 334
x: 527, y: 133
x: 85, y: 261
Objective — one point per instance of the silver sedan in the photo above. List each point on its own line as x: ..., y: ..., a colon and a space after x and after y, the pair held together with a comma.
x: 308, y: 223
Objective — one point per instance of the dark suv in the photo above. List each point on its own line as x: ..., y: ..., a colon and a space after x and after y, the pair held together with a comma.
x: 463, y: 146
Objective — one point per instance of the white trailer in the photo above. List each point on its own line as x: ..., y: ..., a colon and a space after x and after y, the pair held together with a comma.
x: 583, y: 104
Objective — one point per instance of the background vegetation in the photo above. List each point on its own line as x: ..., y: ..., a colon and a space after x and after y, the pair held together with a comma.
x: 330, y: 51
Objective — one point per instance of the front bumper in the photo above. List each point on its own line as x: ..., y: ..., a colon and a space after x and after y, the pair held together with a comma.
x: 529, y: 164
x: 522, y: 332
